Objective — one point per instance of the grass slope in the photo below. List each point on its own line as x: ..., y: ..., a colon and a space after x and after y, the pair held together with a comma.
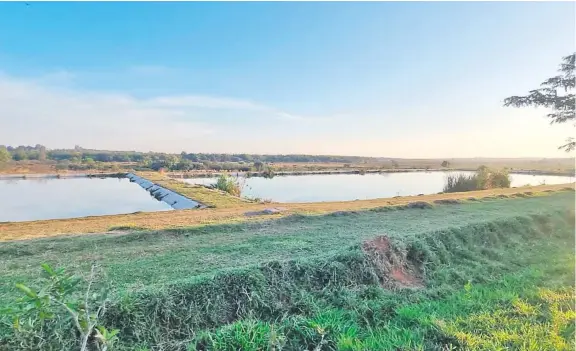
x: 308, y: 282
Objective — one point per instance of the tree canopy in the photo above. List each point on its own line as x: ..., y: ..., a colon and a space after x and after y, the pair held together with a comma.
x: 4, y: 154
x: 554, y: 94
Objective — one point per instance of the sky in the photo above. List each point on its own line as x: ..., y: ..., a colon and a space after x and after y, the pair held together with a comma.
x: 390, y: 79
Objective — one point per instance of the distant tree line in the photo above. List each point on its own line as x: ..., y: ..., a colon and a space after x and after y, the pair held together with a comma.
x: 20, y: 153
x: 80, y: 158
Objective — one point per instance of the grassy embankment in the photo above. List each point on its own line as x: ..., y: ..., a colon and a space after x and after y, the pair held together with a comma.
x: 233, y: 214
x: 209, y: 197
x: 467, y: 276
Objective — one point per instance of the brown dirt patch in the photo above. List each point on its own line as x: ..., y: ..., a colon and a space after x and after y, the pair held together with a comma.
x: 392, y: 266
x: 379, y: 244
x: 406, y: 279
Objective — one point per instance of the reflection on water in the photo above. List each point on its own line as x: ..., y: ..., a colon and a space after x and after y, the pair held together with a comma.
x: 345, y: 187
x: 49, y: 198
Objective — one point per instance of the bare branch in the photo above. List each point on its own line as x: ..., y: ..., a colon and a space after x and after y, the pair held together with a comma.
x: 569, y: 146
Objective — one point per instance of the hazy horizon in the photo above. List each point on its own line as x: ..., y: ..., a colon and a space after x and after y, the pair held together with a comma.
x: 392, y: 80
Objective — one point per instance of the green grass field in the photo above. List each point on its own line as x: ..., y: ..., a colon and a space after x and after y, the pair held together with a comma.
x: 484, y: 275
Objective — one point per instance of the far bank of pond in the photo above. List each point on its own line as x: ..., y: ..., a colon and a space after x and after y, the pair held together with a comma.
x: 347, y: 187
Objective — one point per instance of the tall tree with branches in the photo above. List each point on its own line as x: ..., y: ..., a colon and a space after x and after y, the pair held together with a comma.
x: 554, y: 94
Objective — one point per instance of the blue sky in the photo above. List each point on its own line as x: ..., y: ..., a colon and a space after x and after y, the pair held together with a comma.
x: 377, y: 79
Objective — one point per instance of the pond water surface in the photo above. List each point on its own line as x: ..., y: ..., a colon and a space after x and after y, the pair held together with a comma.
x: 345, y: 187
x: 34, y: 199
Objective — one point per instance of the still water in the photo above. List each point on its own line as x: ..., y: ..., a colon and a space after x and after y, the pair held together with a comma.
x: 34, y: 199
x: 345, y: 187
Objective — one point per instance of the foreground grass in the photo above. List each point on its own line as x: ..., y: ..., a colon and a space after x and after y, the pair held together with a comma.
x: 530, y: 310
x: 192, y: 218
x: 307, y: 282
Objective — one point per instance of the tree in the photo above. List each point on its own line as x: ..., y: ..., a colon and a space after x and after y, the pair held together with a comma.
x: 445, y: 164
x: 20, y: 154
x: 561, y: 105
x: 259, y: 166
x: 89, y: 162
x: 4, y: 154
x: 183, y: 165
x: 171, y: 160
x: 41, y: 152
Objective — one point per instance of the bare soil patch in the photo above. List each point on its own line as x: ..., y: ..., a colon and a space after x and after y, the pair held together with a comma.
x: 394, y: 269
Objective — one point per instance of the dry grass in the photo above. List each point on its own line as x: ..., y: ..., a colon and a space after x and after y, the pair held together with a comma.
x: 189, y: 218
x: 33, y: 167
x: 28, y: 167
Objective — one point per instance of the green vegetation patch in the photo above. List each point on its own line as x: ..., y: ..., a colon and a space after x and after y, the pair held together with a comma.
x: 511, y: 314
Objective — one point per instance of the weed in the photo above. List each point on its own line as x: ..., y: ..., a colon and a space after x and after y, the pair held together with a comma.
x: 230, y: 185
x: 41, y: 317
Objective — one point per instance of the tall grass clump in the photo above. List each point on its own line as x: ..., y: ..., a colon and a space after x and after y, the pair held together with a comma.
x: 229, y: 184
x: 460, y: 182
x: 484, y: 178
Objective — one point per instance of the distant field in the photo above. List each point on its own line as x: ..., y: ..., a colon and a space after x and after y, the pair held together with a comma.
x: 427, y: 278
x: 552, y: 165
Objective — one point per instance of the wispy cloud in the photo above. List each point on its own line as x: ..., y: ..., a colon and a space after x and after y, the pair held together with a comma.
x: 199, y: 101
x: 37, y: 111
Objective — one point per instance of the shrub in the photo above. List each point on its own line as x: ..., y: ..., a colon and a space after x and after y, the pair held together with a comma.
x: 229, y: 184
x: 499, y: 179
x: 484, y: 178
x: 460, y: 182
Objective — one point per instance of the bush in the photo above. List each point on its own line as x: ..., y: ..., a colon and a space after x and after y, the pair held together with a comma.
x: 229, y: 184
x: 499, y: 179
x: 460, y: 182
x: 485, y: 178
